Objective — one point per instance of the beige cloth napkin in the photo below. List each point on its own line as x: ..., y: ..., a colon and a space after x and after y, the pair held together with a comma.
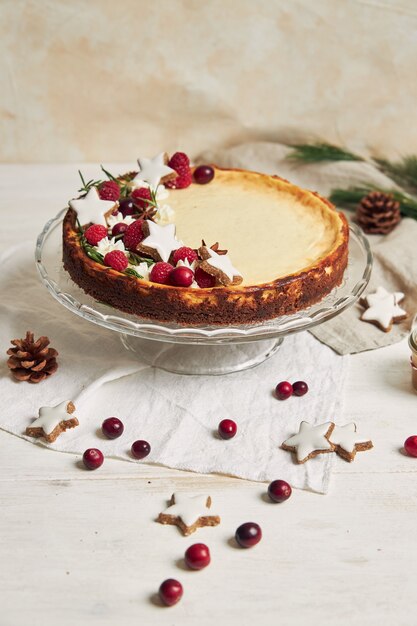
x: 395, y: 255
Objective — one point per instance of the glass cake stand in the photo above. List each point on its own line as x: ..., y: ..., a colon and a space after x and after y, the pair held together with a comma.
x: 198, y: 349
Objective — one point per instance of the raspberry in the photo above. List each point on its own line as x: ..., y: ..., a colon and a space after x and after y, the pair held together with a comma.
x: 109, y: 190
x: 179, y: 159
x: 116, y: 259
x: 133, y: 235
x: 184, y: 178
x: 143, y: 193
x: 160, y: 273
x: 203, y: 279
x: 95, y: 233
x: 184, y: 253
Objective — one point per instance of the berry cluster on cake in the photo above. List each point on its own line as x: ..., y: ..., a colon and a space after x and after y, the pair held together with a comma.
x: 148, y: 242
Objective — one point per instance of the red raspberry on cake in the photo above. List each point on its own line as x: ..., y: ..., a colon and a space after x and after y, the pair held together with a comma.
x: 181, y: 164
x: 179, y: 159
x: 95, y: 233
x: 160, y: 273
x: 204, y: 280
x: 116, y: 259
x: 109, y: 190
x: 142, y: 196
x: 183, y: 254
x: 133, y: 235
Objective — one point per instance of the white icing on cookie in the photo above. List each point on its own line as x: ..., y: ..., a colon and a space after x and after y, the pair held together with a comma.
x: 162, y: 239
x: 309, y: 439
x: 383, y: 307
x: 346, y: 437
x: 51, y: 416
x: 188, y: 508
x: 152, y: 170
x: 92, y: 208
x: 223, y: 263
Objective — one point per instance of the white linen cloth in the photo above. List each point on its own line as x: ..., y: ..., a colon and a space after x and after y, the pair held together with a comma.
x: 177, y: 415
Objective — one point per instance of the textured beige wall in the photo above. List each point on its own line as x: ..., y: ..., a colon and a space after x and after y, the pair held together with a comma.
x: 105, y: 80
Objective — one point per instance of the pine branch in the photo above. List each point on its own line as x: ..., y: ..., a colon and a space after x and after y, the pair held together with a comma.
x: 350, y: 198
x: 319, y: 152
x: 403, y: 172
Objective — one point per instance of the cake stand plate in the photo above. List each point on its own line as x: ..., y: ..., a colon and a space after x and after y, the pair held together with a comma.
x: 198, y: 349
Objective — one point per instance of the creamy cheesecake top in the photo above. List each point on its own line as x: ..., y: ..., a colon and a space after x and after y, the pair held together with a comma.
x: 269, y: 229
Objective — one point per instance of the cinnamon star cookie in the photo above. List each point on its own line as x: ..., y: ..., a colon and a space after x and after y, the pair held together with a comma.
x: 188, y: 513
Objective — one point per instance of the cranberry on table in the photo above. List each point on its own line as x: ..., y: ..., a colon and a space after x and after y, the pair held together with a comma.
x: 284, y: 390
x: 181, y: 276
x: 227, y: 429
x: 93, y: 458
x: 203, y: 174
x: 140, y: 449
x: 410, y: 445
x: 119, y: 229
x: 112, y: 427
x: 170, y: 591
x: 279, y: 491
x: 197, y: 556
x: 127, y: 207
x: 300, y: 388
x: 248, y: 534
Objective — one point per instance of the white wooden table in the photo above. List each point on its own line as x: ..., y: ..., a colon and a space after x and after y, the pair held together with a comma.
x: 82, y: 548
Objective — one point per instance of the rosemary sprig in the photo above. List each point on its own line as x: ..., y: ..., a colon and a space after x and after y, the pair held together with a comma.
x: 131, y: 272
x: 318, y: 152
x: 350, y: 198
x: 87, y: 185
x: 135, y: 259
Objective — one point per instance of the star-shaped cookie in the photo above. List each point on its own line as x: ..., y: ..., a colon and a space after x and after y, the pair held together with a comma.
x: 220, y: 266
x: 92, y: 208
x: 310, y: 441
x: 153, y: 170
x: 160, y: 242
x: 52, y: 421
x: 188, y: 513
x: 348, y: 442
x: 382, y: 308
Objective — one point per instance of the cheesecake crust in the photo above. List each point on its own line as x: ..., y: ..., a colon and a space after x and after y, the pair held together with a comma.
x: 231, y: 305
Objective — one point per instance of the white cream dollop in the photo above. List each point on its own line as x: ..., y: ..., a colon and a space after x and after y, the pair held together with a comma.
x: 164, y: 215
x: 112, y: 220
x: 108, y: 245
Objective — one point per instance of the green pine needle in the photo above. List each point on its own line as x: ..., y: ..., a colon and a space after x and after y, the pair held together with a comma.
x: 350, y: 198
x: 403, y: 172
x: 319, y: 152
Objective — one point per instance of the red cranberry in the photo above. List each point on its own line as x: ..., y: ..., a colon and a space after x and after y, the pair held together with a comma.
x: 181, y: 276
x: 140, y: 449
x: 93, y: 458
x: 300, y: 388
x: 284, y: 390
x: 119, y: 229
x: 248, y: 534
x: 203, y: 174
x: 170, y: 591
x: 410, y: 445
x: 227, y: 429
x: 279, y: 491
x: 197, y: 556
x: 112, y: 427
x: 127, y: 207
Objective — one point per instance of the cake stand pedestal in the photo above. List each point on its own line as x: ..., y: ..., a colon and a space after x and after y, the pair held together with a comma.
x: 208, y: 350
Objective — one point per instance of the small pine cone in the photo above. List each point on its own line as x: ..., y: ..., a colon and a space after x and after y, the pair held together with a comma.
x: 32, y: 360
x: 378, y: 212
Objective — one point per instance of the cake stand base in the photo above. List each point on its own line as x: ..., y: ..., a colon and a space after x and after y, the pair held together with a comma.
x: 201, y: 359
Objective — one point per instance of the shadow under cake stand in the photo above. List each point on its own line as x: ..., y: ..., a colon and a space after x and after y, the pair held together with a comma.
x: 201, y: 349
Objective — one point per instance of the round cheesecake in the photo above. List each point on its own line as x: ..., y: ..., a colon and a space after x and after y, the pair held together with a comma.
x: 289, y: 245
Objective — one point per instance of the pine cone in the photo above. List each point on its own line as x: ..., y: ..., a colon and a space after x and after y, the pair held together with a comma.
x: 378, y: 212
x: 32, y: 360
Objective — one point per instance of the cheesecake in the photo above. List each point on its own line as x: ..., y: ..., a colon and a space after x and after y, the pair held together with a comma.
x: 259, y: 246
